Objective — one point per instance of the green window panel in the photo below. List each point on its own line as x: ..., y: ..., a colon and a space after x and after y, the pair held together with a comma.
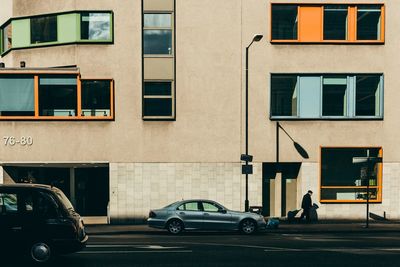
x: 21, y: 33
x: 67, y: 28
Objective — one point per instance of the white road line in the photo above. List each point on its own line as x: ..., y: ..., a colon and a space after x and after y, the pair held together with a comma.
x: 133, y: 251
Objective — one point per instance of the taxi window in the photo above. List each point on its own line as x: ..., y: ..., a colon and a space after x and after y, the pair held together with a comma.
x: 8, y: 203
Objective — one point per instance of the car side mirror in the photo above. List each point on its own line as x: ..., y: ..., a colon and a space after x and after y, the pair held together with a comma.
x: 223, y: 211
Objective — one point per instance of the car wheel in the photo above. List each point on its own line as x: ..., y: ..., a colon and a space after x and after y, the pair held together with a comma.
x: 248, y: 226
x: 175, y: 227
x: 40, y: 252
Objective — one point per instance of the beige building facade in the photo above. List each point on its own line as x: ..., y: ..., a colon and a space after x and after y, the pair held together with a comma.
x: 193, y: 149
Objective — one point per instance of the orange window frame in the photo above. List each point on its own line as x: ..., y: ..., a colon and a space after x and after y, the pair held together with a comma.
x: 78, y: 116
x: 378, y: 187
x: 303, y: 33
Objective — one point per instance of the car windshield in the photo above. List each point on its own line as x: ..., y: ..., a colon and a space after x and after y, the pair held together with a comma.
x: 63, y: 198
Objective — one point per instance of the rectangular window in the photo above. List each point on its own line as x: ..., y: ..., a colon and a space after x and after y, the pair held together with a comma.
x: 326, y: 96
x: 369, y: 22
x: 335, y: 22
x: 157, y: 34
x: 6, y: 37
x: 96, y: 97
x: 334, y: 97
x: 158, y: 100
x: 284, y: 22
x: 95, y: 26
x: 58, y: 96
x: 330, y: 23
x: 344, y: 181
x: 43, y: 29
x: 8, y: 203
x: 16, y: 95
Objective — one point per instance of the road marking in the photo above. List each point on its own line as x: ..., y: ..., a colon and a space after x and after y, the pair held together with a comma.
x: 133, y: 251
x: 132, y: 246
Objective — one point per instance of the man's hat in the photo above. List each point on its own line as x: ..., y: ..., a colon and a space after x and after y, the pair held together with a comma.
x: 309, y: 191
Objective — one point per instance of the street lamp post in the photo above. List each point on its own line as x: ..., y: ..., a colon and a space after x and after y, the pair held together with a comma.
x: 256, y: 38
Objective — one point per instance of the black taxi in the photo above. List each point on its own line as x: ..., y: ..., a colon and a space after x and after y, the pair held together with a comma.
x: 39, y: 221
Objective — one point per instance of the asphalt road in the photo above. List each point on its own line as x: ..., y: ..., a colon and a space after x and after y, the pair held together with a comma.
x: 230, y: 249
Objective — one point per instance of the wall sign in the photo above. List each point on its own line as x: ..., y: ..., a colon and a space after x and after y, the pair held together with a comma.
x: 21, y: 141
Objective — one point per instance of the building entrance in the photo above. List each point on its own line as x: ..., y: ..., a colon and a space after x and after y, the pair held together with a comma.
x: 86, y: 185
x: 279, y: 188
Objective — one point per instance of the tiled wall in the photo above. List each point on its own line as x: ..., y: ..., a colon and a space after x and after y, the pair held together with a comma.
x: 135, y: 188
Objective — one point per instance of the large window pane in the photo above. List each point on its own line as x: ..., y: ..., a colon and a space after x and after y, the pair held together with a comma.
x: 95, y: 26
x: 284, y: 22
x: 310, y: 96
x: 157, y: 88
x: 335, y: 22
x: 283, y: 95
x: 157, y: 42
x: 157, y: 20
x: 57, y: 96
x: 7, y: 37
x: 157, y: 107
x: 96, y: 99
x: 341, y: 179
x: 334, y: 96
x: 43, y: 29
x: 16, y: 95
x: 369, y: 22
x: 368, y: 95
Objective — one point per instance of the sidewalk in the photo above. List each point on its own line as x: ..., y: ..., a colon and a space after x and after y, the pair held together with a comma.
x: 284, y: 228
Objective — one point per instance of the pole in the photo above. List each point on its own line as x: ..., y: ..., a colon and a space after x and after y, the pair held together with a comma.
x: 369, y: 170
x: 277, y: 141
x: 246, y: 202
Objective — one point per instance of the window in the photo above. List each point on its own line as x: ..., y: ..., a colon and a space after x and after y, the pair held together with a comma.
x: 344, y: 181
x: 96, y: 98
x: 46, y: 207
x: 335, y: 22
x: 157, y: 34
x: 284, y: 22
x: 210, y: 207
x: 8, y: 203
x: 43, y: 29
x: 16, y: 95
x: 369, y: 22
x: 330, y: 96
x: 6, y: 37
x: 331, y: 23
x: 190, y: 206
x: 57, y: 96
x: 158, y: 99
x: 95, y: 26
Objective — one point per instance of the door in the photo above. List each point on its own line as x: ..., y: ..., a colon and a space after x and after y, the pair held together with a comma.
x: 10, y: 218
x: 215, y: 217
x: 191, y: 214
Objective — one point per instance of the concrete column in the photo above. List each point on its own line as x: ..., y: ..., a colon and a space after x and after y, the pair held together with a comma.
x: 1, y: 175
x: 278, y: 195
x: 72, y: 186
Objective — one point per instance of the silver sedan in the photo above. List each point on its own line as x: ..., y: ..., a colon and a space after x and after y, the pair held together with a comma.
x: 200, y: 214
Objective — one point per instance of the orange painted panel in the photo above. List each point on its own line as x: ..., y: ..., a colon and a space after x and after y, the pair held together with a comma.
x: 310, y: 26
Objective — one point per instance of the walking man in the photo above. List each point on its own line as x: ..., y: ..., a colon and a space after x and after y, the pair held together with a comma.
x: 306, y: 205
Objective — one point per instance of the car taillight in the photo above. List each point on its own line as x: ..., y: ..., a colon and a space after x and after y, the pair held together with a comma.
x: 152, y: 214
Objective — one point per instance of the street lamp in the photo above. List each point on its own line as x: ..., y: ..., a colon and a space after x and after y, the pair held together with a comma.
x: 256, y: 38
x: 297, y: 146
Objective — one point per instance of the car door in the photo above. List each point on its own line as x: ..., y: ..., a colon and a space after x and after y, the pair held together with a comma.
x: 191, y: 214
x: 216, y: 217
x: 10, y: 218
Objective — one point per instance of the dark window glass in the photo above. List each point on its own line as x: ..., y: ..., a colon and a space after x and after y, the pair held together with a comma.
x: 46, y: 207
x: 368, y: 22
x: 43, y: 29
x: 95, y: 26
x: 334, y: 96
x: 338, y: 169
x: 367, y: 95
x: 96, y: 98
x: 157, y: 106
x: 284, y: 22
x: 157, y: 88
x: 16, y: 95
x: 57, y: 96
x: 283, y: 95
x: 157, y: 42
x: 335, y: 22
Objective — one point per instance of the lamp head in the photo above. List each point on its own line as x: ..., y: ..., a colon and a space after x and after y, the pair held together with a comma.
x: 257, y: 37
